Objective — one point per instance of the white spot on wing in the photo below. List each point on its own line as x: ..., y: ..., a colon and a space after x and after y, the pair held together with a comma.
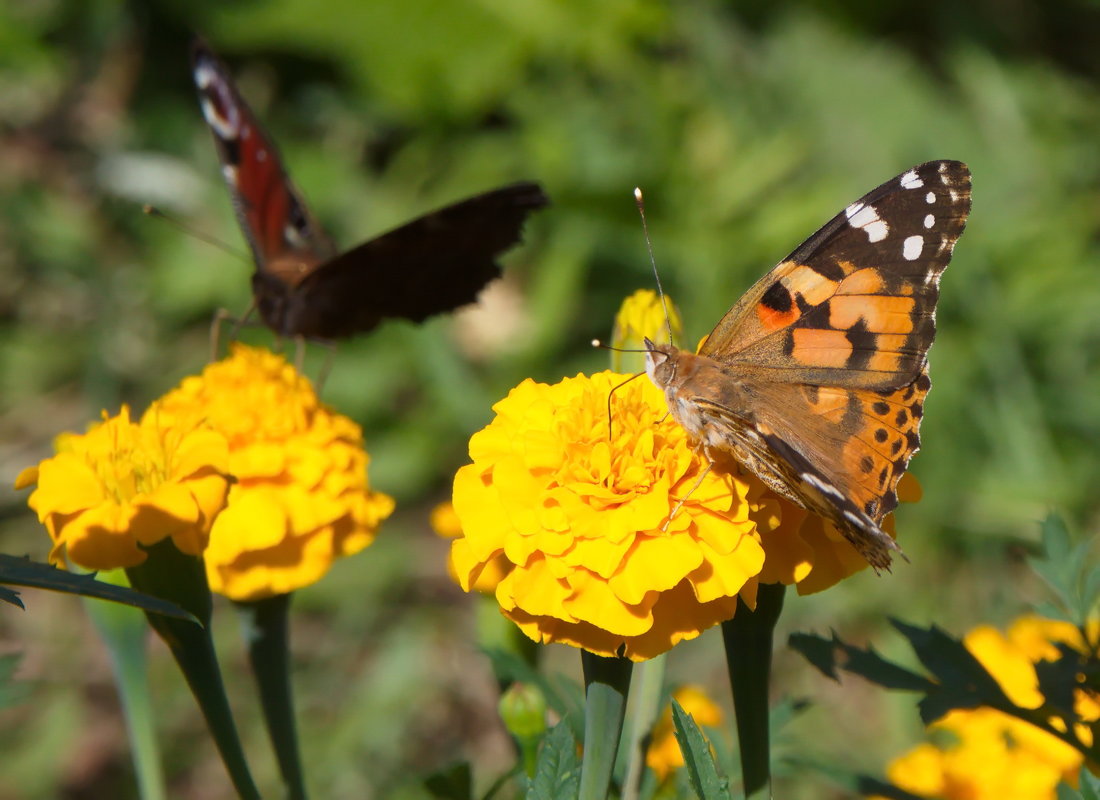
x: 820, y: 485
x: 911, y: 180
x: 204, y: 75
x: 911, y: 248
x: 867, y: 219
x: 930, y: 198
x: 224, y: 128
x: 929, y: 221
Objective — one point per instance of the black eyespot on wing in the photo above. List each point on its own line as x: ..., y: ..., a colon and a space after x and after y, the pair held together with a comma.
x: 777, y: 298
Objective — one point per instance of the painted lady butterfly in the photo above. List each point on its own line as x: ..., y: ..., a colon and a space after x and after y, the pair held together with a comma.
x: 815, y: 380
x: 301, y: 286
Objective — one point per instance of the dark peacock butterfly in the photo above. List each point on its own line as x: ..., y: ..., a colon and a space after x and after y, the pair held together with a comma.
x: 302, y: 285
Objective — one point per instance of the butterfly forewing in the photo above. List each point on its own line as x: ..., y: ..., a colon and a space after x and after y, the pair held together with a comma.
x: 283, y: 236
x: 811, y: 319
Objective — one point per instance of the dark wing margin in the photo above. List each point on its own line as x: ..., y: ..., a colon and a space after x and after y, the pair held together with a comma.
x: 435, y: 263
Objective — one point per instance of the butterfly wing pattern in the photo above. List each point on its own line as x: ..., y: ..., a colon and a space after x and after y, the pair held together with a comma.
x: 815, y: 380
x: 302, y: 287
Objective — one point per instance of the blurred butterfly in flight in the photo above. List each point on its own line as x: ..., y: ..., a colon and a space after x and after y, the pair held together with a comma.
x: 304, y: 287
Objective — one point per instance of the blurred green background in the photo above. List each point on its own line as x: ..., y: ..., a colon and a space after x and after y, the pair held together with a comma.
x: 748, y: 125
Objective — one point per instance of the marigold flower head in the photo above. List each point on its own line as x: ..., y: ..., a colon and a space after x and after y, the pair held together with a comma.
x: 123, y: 486
x: 581, y: 513
x: 301, y: 497
x: 664, y: 756
x: 445, y: 523
x: 643, y: 315
x: 995, y: 755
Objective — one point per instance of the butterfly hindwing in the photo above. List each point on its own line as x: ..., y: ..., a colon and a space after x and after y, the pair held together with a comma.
x: 435, y: 263
x: 855, y: 304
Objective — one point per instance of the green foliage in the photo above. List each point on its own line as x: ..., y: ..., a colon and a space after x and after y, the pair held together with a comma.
x: 558, y: 772
x: 706, y: 781
x: 1069, y: 572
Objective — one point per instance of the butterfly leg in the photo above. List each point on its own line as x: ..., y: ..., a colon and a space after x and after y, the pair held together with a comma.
x: 694, y: 486
x: 326, y: 368
x: 221, y: 316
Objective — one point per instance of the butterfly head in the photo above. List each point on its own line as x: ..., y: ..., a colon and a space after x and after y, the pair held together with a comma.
x: 660, y: 363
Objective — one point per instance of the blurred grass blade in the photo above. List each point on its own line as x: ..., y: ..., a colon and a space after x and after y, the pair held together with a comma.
x: 125, y: 632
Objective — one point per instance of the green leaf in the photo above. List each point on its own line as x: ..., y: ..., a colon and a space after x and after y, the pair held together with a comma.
x: 1058, y: 680
x: 818, y: 650
x: 451, y: 783
x: 706, y: 781
x: 822, y: 653
x: 1088, y: 787
x: 558, y: 773
x: 21, y: 571
x: 960, y: 679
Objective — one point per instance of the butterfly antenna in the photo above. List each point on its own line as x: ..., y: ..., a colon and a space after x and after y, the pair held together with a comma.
x: 156, y: 213
x: 640, y: 202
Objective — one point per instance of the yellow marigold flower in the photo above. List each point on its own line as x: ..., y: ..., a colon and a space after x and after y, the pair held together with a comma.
x: 994, y: 755
x: 125, y: 485
x: 664, y: 756
x: 581, y: 518
x: 445, y: 522
x: 642, y: 315
x: 301, y: 497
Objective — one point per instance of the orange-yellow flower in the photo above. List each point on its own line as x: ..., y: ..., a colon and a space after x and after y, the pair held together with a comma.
x: 664, y: 756
x: 581, y: 513
x: 995, y: 755
x: 301, y: 497
x: 445, y: 522
x: 123, y: 486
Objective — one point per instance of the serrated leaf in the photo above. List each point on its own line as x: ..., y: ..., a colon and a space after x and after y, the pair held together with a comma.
x: 950, y: 663
x: 706, y: 781
x: 1058, y: 680
x: 1058, y: 567
x: 818, y: 650
x: 558, y: 771
x: 19, y: 571
x: 866, y: 663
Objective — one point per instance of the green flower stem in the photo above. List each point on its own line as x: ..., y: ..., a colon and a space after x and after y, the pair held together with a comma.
x: 606, y: 685
x: 123, y: 630
x: 266, y: 630
x: 647, y: 707
x: 170, y: 574
x: 748, y: 640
